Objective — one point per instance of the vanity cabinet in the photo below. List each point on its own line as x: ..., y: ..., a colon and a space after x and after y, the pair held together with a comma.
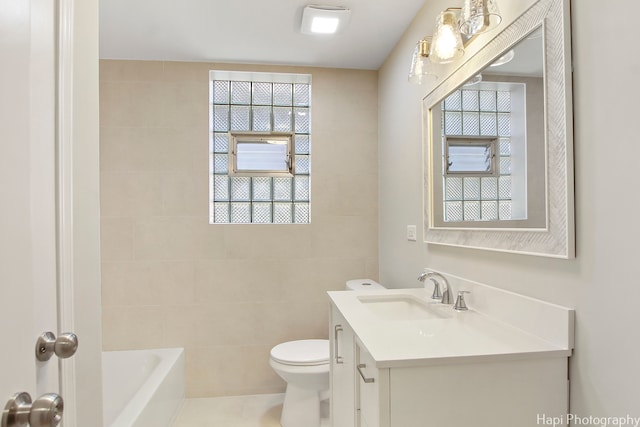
x: 485, y: 394
x: 456, y: 392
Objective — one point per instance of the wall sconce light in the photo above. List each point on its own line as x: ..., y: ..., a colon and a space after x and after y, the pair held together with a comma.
x: 420, y: 70
x: 478, y: 16
x: 447, y: 45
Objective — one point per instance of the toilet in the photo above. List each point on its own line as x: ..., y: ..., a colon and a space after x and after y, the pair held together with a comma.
x: 304, y: 365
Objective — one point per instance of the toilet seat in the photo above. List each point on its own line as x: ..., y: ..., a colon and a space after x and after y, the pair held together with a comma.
x: 302, y: 353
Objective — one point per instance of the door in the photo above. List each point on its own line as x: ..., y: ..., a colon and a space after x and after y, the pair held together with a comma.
x: 27, y: 182
x: 48, y: 97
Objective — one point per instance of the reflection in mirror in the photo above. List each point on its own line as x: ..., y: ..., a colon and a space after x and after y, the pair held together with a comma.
x: 470, y: 156
x: 504, y: 186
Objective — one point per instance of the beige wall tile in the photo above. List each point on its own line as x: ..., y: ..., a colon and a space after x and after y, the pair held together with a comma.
x: 116, y: 239
x: 175, y: 238
x: 119, y: 148
x: 131, y: 103
x: 132, y: 328
x: 197, y: 72
x: 185, y: 195
x: 345, y: 152
x: 183, y: 326
x: 310, y: 279
x: 232, y: 324
x: 226, y: 293
x: 229, y: 370
x: 267, y: 241
x: 130, y: 194
x: 185, y: 104
x: 148, y: 283
x: 156, y: 149
x: 238, y: 280
x: 345, y: 236
x: 115, y: 70
x: 174, y: 149
x: 372, y: 270
x: 343, y: 193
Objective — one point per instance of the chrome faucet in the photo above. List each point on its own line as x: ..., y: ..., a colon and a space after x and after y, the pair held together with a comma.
x: 445, y: 296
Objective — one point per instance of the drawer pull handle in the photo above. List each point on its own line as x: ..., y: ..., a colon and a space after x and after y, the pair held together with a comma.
x: 336, y: 329
x: 365, y: 379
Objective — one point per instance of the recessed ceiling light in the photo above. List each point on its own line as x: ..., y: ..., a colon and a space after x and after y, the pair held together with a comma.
x: 324, y: 19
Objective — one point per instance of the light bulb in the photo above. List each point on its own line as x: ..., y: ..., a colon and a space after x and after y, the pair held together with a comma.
x: 447, y: 42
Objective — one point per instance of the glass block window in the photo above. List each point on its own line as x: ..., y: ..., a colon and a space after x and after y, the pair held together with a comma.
x: 484, y: 113
x: 259, y: 102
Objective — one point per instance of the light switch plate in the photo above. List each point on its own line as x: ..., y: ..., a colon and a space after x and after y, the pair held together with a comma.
x: 411, y: 233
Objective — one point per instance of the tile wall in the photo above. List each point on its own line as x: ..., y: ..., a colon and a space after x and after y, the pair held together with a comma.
x: 227, y: 293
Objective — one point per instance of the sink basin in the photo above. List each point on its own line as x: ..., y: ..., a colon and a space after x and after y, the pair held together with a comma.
x: 402, y: 307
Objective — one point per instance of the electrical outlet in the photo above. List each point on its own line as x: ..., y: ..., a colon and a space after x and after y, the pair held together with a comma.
x: 411, y: 233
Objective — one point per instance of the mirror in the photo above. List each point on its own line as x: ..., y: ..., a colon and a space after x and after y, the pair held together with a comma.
x: 498, y: 139
x: 503, y: 102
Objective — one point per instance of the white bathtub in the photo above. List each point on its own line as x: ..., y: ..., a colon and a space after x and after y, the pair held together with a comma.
x: 142, y: 388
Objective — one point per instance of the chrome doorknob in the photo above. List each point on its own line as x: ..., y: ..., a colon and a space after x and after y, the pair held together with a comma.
x: 46, y: 411
x: 64, y: 346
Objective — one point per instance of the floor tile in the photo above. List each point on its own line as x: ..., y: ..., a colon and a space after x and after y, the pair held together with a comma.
x: 236, y: 411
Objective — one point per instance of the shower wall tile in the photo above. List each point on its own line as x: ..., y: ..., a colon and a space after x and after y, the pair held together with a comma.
x: 231, y: 371
x: 283, y: 241
x: 345, y: 236
x: 345, y: 193
x: 134, y: 71
x: 153, y: 149
x: 176, y: 237
x: 183, y: 195
x: 358, y: 156
x: 130, y: 194
x: 311, y: 279
x: 133, y: 327
x: 116, y: 238
x: 226, y: 293
x: 148, y: 283
x: 131, y: 103
x: 238, y: 280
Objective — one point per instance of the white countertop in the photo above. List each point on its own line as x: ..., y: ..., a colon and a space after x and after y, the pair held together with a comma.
x: 468, y: 336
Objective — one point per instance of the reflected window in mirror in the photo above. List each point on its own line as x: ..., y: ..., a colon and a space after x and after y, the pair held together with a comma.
x: 485, y: 121
x: 504, y: 101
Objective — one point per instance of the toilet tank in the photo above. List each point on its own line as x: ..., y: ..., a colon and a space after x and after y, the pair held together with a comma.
x: 363, y: 285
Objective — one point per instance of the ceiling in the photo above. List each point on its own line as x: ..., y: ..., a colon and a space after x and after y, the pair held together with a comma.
x: 250, y: 31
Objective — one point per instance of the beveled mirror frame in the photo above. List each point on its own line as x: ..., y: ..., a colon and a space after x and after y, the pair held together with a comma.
x: 557, y: 239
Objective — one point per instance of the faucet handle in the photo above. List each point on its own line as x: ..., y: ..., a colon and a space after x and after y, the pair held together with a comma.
x: 460, y: 305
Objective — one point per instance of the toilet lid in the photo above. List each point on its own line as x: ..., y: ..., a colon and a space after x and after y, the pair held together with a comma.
x: 302, y: 352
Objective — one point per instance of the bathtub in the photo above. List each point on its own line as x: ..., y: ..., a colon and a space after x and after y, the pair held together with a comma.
x: 142, y: 388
